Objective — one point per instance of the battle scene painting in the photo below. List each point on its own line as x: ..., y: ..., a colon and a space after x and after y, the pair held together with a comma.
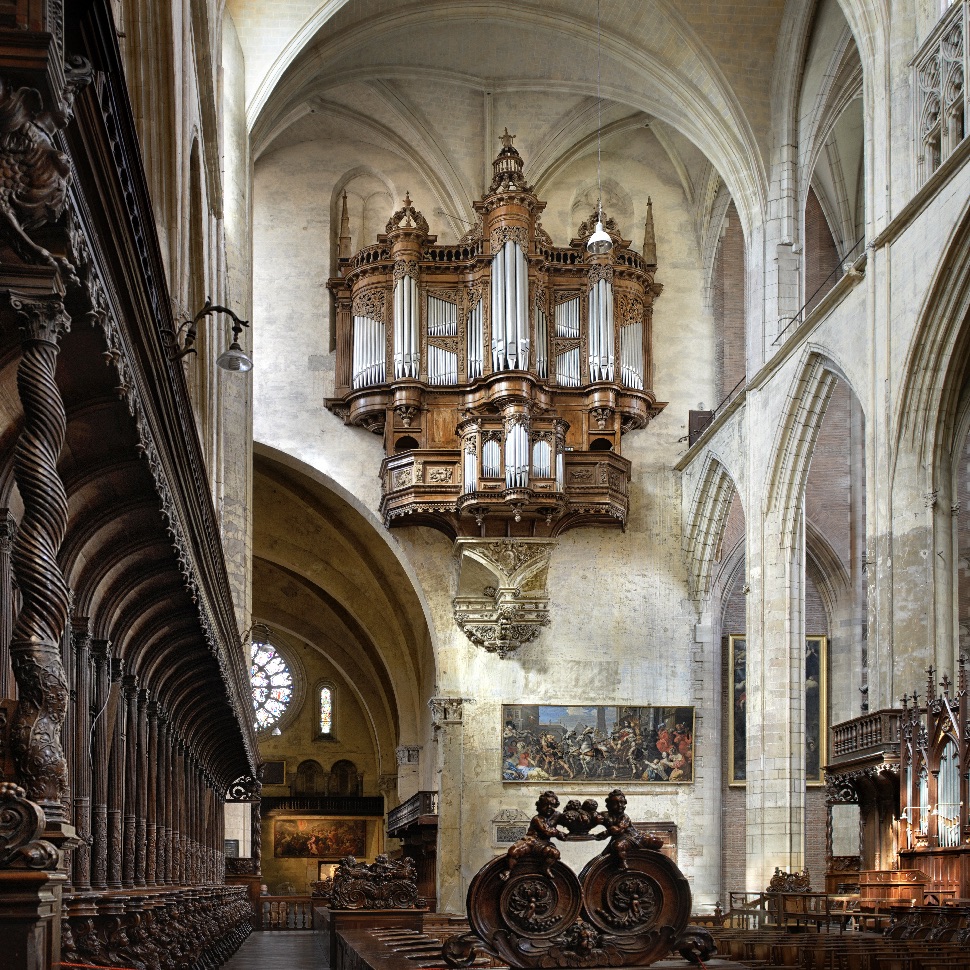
x: 319, y: 838
x: 592, y: 743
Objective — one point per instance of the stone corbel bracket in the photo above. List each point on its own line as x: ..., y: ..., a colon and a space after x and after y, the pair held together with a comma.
x: 502, y: 600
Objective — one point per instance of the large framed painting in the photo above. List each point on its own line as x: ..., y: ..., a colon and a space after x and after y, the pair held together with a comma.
x: 737, y: 710
x: 816, y: 706
x: 543, y: 743
x: 319, y: 838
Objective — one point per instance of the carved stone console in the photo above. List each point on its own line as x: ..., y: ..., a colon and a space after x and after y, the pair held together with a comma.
x: 502, y: 601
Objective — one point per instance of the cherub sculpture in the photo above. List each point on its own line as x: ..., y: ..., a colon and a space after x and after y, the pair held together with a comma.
x: 537, y: 841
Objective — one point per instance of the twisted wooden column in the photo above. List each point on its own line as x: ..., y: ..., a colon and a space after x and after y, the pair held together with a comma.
x: 8, y: 529
x: 256, y: 834
x: 84, y: 762
x: 99, y: 789
x: 35, y: 647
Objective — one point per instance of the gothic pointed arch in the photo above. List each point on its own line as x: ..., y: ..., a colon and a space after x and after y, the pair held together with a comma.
x: 705, y: 525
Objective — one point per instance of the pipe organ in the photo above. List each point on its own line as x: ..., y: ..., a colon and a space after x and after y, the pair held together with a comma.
x: 502, y: 371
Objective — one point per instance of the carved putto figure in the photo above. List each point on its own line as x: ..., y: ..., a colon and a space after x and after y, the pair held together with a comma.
x: 537, y: 841
x: 621, y: 830
x: 629, y: 906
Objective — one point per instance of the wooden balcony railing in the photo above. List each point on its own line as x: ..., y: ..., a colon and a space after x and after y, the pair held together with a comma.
x: 423, y: 803
x: 873, y: 730
x: 285, y: 913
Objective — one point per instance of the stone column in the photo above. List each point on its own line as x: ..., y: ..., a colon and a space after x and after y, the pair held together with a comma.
x: 101, y: 670
x: 446, y: 717
x: 775, y: 767
x: 84, y: 756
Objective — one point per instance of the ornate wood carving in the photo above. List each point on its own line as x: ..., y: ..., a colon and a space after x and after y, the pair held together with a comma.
x: 436, y: 420
x: 789, y: 882
x: 35, y: 644
x: 382, y: 884
x: 628, y: 907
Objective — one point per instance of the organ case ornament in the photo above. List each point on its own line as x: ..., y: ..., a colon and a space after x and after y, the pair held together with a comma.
x: 502, y: 371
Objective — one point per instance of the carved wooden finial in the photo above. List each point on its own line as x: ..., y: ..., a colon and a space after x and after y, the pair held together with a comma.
x: 930, y: 683
x: 905, y: 700
x: 962, y: 678
x: 407, y: 200
x: 649, y: 238
x: 507, y: 139
x: 343, y: 250
x: 945, y: 684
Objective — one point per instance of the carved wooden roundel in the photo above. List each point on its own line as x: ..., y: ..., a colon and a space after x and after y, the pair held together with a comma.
x: 528, y: 903
x: 651, y: 892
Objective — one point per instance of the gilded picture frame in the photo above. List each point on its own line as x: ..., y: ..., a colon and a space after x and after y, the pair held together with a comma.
x: 816, y: 709
x: 543, y: 743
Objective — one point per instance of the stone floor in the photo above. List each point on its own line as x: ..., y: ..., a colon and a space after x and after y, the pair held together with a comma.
x: 299, y: 950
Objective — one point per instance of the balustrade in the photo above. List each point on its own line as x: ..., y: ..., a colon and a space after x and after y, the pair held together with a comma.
x: 940, y: 70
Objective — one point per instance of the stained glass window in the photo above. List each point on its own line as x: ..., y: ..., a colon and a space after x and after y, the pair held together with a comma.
x: 272, y: 685
x: 326, y: 710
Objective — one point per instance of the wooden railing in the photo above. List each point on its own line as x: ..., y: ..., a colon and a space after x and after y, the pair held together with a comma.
x: 865, y: 732
x: 285, y: 913
x: 407, y: 813
x: 328, y: 804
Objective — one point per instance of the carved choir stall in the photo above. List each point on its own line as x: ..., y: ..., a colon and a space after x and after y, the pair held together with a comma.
x: 502, y: 371
x: 125, y: 711
x: 629, y: 906
x: 906, y: 770
x: 934, y: 800
x: 383, y: 893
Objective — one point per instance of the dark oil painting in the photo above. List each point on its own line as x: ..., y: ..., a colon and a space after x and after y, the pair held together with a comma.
x: 319, y: 838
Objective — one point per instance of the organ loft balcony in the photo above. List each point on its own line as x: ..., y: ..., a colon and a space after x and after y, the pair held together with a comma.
x: 502, y: 372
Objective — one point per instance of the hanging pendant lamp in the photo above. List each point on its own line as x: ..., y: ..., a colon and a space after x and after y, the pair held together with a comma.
x: 600, y: 243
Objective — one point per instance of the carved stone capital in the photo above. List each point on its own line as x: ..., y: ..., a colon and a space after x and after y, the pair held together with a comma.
x: 40, y: 317
x: 511, y: 611
x: 408, y: 754
x: 446, y: 710
x: 387, y: 784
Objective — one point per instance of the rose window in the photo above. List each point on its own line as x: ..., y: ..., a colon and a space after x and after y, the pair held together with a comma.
x: 272, y: 685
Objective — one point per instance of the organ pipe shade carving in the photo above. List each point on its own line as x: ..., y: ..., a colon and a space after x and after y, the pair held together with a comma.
x: 491, y: 366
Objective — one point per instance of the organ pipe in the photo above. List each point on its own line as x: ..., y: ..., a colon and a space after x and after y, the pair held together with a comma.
x: 631, y: 353
x: 542, y: 343
x: 567, y: 368
x: 516, y: 454
x: 407, y: 356
x: 601, y: 336
x: 510, y: 309
x: 368, y: 352
x: 476, y: 356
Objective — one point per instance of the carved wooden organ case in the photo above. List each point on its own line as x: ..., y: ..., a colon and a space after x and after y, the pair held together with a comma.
x: 502, y: 371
